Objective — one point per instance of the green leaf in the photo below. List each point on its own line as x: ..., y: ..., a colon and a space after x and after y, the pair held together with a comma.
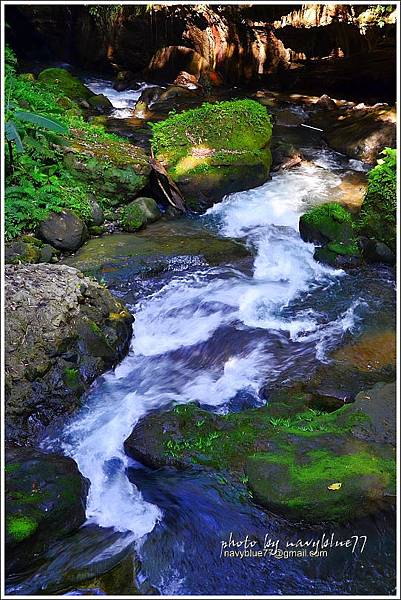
x: 45, y: 122
x: 12, y: 135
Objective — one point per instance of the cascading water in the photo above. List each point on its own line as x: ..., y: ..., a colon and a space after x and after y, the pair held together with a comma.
x: 184, y: 346
x: 216, y: 336
x: 123, y: 102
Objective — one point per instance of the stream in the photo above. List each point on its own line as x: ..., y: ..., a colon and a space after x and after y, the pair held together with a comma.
x: 215, y: 335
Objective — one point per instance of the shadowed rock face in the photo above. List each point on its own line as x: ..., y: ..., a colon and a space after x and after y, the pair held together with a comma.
x: 62, y: 331
x: 240, y: 43
x: 45, y: 500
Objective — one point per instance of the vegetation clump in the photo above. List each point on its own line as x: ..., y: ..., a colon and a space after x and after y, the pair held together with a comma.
x: 378, y: 213
x: 39, y: 179
x: 21, y: 527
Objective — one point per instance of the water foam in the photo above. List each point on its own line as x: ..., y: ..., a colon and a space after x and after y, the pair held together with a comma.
x: 179, y: 353
x: 123, y: 102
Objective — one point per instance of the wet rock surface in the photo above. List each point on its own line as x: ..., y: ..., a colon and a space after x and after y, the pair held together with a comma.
x: 289, y: 461
x: 161, y: 247
x: 45, y: 501
x: 62, y: 331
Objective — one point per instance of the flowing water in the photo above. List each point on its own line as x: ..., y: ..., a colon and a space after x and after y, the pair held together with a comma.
x: 216, y: 335
x: 123, y: 103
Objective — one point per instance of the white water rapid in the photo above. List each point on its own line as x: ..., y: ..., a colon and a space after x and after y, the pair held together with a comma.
x: 123, y: 102
x: 206, y: 336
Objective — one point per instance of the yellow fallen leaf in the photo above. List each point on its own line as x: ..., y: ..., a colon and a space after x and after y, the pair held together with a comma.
x: 334, y: 486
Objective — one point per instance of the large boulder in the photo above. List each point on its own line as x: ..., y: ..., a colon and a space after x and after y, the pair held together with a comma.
x: 114, y: 169
x: 61, y: 80
x: 45, y: 500
x: 360, y: 133
x: 62, y: 330
x: 63, y: 230
x: 215, y: 149
x: 296, y: 461
x: 139, y: 213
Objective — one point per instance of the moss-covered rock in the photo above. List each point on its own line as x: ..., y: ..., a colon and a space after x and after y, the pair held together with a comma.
x: 215, y: 149
x: 70, y: 86
x: 139, y: 213
x: 62, y: 331
x: 114, y: 168
x: 45, y: 500
x: 337, y: 479
x: 153, y: 250
x: 29, y: 250
x: 338, y: 255
x: 331, y: 226
x: 378, y: 213
x: 325, y: 223
x: 301, y: 453
x: 100, y: 102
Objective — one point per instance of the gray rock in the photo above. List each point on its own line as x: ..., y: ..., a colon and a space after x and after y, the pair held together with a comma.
x: 97, y: 216
x: 379, y: 403
x: 63, y: 230
x: 62, y: 331
x: 377, y: 252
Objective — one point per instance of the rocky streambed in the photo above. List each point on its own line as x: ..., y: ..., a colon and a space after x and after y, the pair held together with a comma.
x: 256, y: 378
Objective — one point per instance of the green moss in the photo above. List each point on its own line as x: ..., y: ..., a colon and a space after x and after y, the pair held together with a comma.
x: 332, y: 220
x: 68, y: 85
x: 95, y: 328
x: 307, y: 493
x: 378, y: 213
x: 344, y: 249
x: 133, y: 217
x: 12, y: 468
x: 224, y: 133
x: 32, y: 498
x: 21, y: 528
